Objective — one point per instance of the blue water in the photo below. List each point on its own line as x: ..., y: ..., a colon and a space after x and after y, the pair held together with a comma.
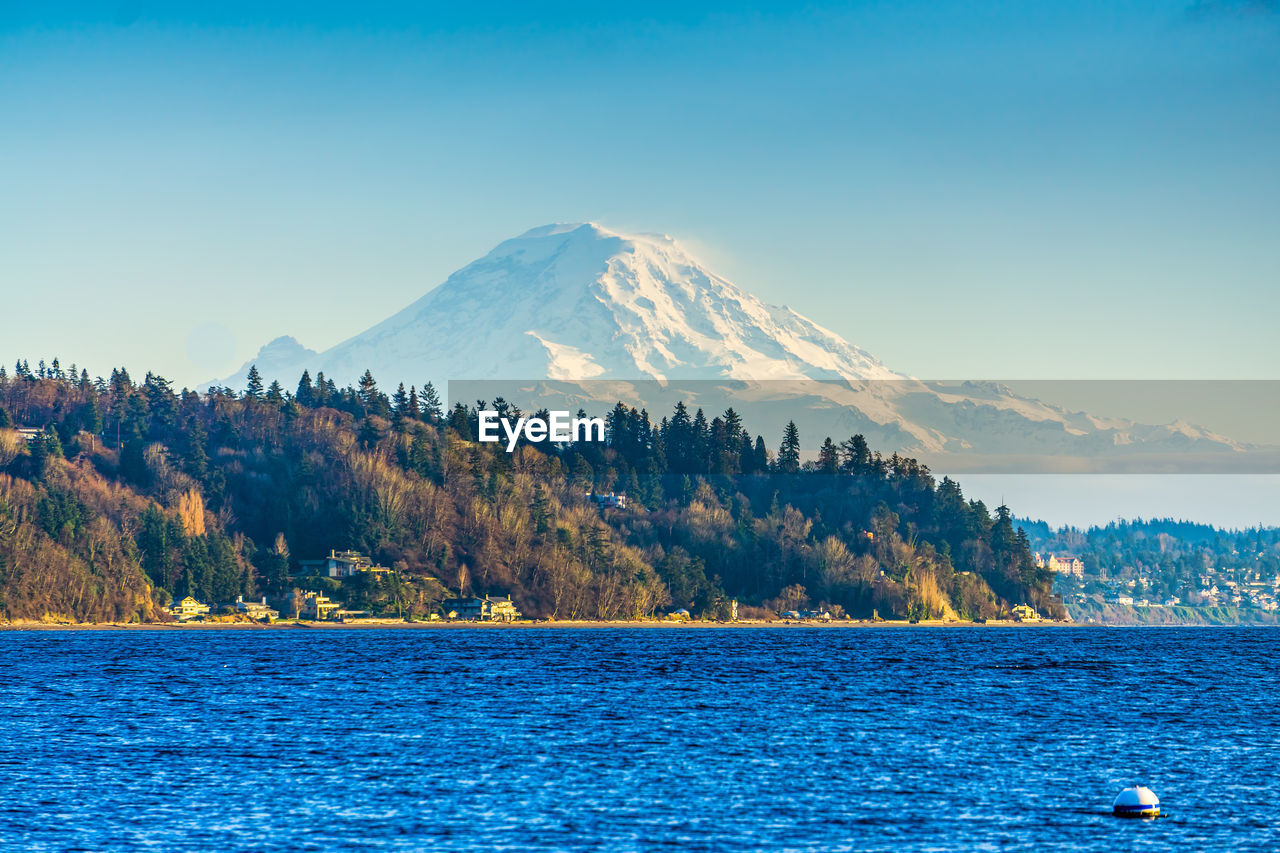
x: 637, y: 739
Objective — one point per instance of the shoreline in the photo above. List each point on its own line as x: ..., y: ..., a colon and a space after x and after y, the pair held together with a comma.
x: 563, y: 624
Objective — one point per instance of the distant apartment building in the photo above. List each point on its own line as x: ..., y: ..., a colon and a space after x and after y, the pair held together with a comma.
x: 484, y: 609
x: 1124, y: 600
x: 188, y: 609
x: 1063, y: 565
x: 342, y: 564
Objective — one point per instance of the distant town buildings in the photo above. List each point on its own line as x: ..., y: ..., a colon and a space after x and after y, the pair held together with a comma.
x: 484, y: 609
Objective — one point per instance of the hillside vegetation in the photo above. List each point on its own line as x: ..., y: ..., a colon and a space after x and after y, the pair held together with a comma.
x: 134, y: 494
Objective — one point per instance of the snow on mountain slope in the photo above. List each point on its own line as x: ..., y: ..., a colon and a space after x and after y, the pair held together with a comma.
x: 583, y: 302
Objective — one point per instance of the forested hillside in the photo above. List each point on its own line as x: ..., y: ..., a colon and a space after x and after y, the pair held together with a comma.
x: 134, y: 493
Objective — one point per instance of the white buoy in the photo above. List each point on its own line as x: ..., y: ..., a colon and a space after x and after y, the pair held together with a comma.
x: 1137, y: 801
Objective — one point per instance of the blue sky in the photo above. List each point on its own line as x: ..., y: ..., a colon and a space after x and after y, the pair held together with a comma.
x: 1067, y: 190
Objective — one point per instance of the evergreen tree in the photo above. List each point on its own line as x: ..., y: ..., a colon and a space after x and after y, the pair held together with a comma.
x: 369, y: 434
x: 306, y: 393
x: 400, y: 402
x: 323, y: 391
x: 541, y: 510
x: 93, y: 419
x: 761, y: 454
x: 422, y: 459
x: 368, y: 392
x: 789, y: 450
x: 431, y: 409
x: 701, y: 443
x: 747, y: 454
x: 460, y: 422
x: 53, y: 445
x: 195, y: 461
x: 253, y: 390
x: 855, y: 456
x: 678, y: 439
x: 828, y: 457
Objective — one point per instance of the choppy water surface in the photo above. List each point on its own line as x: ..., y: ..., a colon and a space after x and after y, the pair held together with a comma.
x: 621, y: 739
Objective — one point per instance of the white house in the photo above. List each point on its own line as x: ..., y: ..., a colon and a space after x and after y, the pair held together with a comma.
x: 189, y: 609
x: 256, y: 610
x: 609, y: 501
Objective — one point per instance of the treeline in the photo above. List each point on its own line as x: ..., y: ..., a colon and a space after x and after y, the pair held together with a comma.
x: 1164, y: 556
x: 136, y: 493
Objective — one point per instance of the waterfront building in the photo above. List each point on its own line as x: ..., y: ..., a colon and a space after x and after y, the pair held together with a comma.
x: 188, y: 609
x: 318, y: 606
x: 1025, y: 613
x: 256, y: 610
x: 484, y: 609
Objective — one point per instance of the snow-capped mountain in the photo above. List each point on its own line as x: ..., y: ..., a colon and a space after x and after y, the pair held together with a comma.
x: 583, y: 302
x: 638, y: 319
